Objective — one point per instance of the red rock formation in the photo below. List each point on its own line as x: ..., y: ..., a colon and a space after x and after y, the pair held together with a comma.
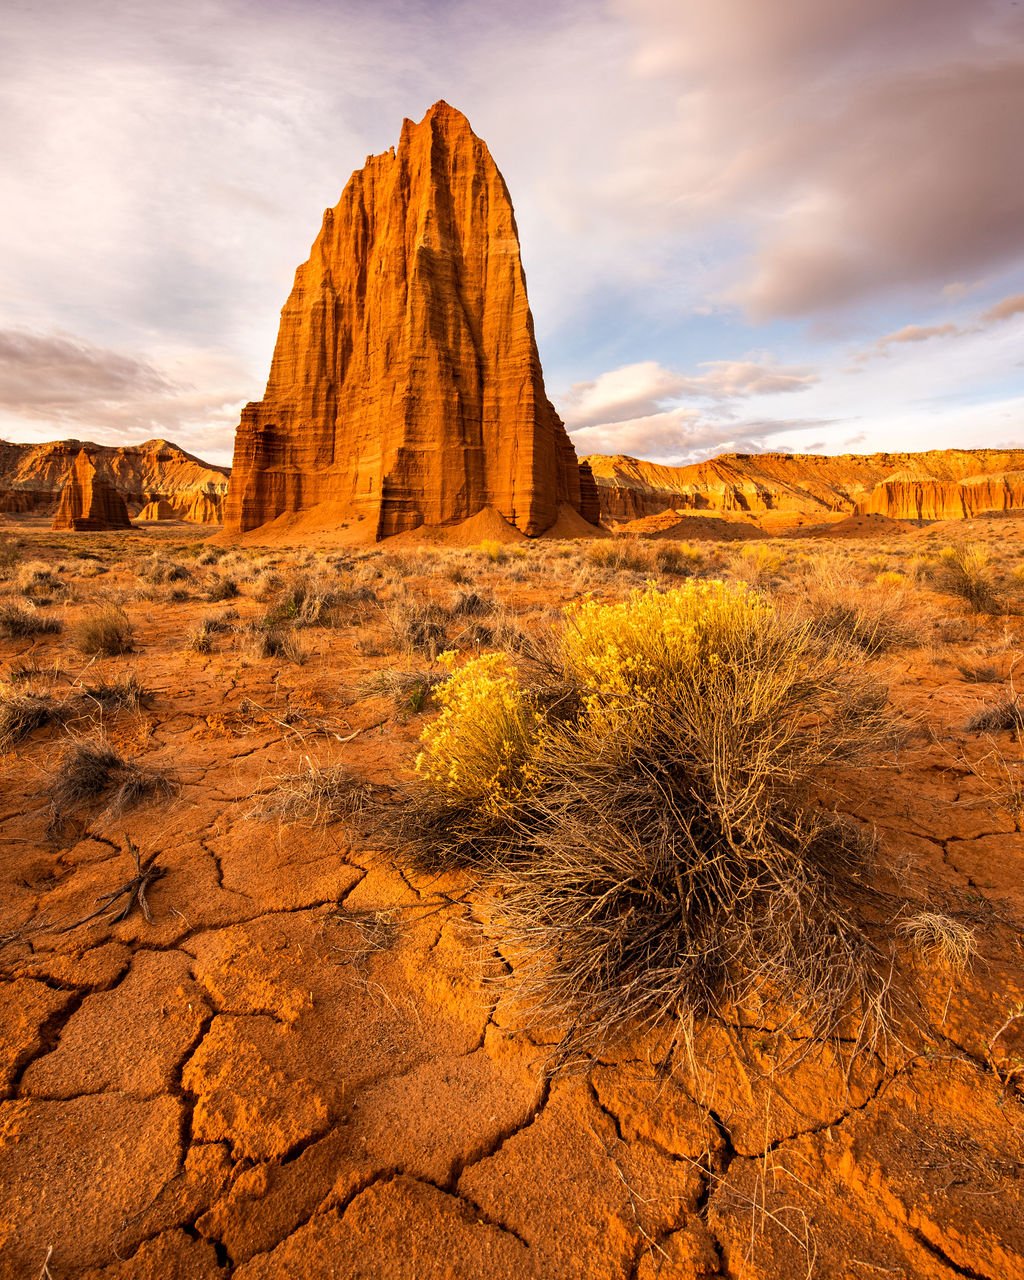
x: 32, y: 476
x: 88, y: 501
x: 405, y: 387
x: 159, y: 510
x: 943, y: 484
x: 914, y: 498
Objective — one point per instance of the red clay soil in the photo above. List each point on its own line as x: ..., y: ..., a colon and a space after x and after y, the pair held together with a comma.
x: 310, y: 1061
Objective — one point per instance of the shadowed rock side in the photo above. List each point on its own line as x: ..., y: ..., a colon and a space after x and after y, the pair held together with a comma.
x: 406, y: 388
x: 33, y: 475
x: 943, y: 484
x: 88, y: 501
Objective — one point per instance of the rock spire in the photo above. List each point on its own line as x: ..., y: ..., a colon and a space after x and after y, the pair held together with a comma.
x: 88, y: 501
x: 406, y: 388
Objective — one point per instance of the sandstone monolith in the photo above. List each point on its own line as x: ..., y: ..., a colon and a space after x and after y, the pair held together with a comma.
x: 88, y: 501
x: 405, y: 387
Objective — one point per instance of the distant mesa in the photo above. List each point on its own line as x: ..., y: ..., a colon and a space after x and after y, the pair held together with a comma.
x: 764, y: 488
x: 88, y: 501
x: 406, y: 388
x: 33, y: 477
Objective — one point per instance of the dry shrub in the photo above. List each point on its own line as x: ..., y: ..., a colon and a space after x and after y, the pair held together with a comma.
x: 646, y: 813
x: 266, y: 640
x: 315, y: 795
x: 680, y: 558
x: 871, y: 618
x: 19, y: 621
x: 158, y: 570
x: 418, y: 625
x: 1006, y: 715
x: 759, y: 563
x: 200, y: 638
x: 978, y: 673
x: 23, y: 713
x: 38, y: 581
x: 105, y: 632
x: 409, y: 691
x: 10, y: 555
x: 940, y: 938
x: 471, y: 604
x: 964, y: 571
x: 620, y: 553
x: 91, y: 769
x: 304, y: 600
x: 127, y: 694
x: 222, y: 588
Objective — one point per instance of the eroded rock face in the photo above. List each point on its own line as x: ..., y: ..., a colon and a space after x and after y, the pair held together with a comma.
x: 940, y: 485
x: 33, y: 475
x: 406, y: 387
x: 88, y: 501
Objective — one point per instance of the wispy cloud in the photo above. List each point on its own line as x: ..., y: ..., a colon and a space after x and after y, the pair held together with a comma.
x: 642, y: 390
x: 58, y: 384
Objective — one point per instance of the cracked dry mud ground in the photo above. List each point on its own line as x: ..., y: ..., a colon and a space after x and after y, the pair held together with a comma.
x: 255, y: 1085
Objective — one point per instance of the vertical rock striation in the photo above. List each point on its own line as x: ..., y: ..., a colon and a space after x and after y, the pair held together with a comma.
x: 406, y: 387
x: 88, y: 501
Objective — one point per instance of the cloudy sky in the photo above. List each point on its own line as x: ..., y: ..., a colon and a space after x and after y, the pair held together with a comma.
x: 746, y: 225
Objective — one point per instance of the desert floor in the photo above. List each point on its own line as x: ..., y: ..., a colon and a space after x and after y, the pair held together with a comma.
x: 304, y: 1060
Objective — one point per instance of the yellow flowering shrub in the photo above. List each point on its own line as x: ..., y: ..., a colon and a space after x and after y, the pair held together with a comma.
x: 477, y: 747
x: 632, y: 654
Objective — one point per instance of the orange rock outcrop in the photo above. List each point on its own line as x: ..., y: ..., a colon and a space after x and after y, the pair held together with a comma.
x: 32, y: 476
x: 406, y: 387
x: 942, y: 484
x: 88, y: 501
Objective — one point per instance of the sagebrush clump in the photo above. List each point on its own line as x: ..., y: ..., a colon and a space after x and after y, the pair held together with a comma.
x: 642, y: 799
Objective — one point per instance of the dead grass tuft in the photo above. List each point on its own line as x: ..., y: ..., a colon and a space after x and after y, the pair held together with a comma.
x: 315, y: 796
x: 24, y: 713
x: 89, y: 769
x: 1006, y: 715
x: 409, y: 691
x: 105, y: 632
x: 19, y: 621
x: 940, y: 937
x: 964, y: 571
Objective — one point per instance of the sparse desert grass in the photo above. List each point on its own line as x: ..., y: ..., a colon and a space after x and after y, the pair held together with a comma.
x: 759, y: 563
x: 304, y: 600
x: 471, y: 604
x: 1007, y: 715
x: 89, y: 769
x: 20, y: 621
x: 978, y: 672
x: 964, y: 571
x: 418, y: 625
x: 649, y: 830
x: 316, y: 795
x: 375, y: 931
x: 10, y: 556
x: 940, y: 938
x: 409, y: 691
x: 871, y: 618
x: 620, y: 553
x: 104, y: 632
x: 23, y: 713
x: 680, y: 558
x: 261, y: 640
x: 158, y: 569
x: 39, y: 581
x: 221, y: 588
x: 126, y: 694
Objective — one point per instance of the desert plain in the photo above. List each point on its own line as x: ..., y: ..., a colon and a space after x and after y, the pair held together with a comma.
x: 245, y: 1034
